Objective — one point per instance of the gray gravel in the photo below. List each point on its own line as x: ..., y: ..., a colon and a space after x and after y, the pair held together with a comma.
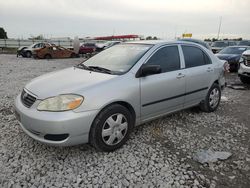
x: 158, y: 154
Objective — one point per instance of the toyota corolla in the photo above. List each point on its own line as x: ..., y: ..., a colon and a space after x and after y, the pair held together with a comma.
x: 100, y: 100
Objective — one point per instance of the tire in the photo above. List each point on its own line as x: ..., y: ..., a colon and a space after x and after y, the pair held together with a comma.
x: 47, y: 56
x: 73, y: 55
x: 234, y: 67
x: 28, y: 54
x: 245, y: 80
x: 212, y: 100
x: 111, y: 128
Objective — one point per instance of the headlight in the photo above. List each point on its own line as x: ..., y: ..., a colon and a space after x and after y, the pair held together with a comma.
x: 241, y: 60
x: 60, y: 103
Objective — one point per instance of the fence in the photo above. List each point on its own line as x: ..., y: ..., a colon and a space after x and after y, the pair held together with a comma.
x: 16, y: 43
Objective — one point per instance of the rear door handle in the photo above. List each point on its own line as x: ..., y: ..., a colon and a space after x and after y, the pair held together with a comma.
x: 180, y: 75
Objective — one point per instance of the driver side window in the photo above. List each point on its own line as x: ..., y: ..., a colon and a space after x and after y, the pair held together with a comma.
x: 167, y: 57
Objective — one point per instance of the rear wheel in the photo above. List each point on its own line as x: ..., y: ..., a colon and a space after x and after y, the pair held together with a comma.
x: 47, y: 56
x: 73, y: 55
x: 245, y: 80
x: 212, y: 99
x: 111, y: 128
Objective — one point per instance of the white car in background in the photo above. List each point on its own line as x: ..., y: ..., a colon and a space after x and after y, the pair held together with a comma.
x: 28, y: 51
x: 244, y: 69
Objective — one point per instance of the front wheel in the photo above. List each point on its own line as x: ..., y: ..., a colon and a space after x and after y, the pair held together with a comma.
x: 111, y: 128
x: 212, y: 99
x: 28, y: 54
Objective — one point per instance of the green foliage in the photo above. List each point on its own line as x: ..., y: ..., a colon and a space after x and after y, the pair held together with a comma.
x: 3, y: 33
x: 151, y: 38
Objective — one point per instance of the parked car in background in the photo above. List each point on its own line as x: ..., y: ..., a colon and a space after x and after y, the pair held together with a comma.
x: 111, y: 43
x: 219, y: 45
x: 100, y: 100
x: 87, y: 48
x: 244, y: 43
x: 27, y: 51
x: 48, y: 52
x: 232, y: 55
x: 244, y: 69
x: 198, y: 42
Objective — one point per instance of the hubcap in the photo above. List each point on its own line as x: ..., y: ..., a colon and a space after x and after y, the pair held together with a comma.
x: 114, y: 129
x: 214, y: 98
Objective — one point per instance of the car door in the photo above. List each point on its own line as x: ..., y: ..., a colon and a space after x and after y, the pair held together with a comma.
x: 62, y: 52
x: 56, y: 52
x: 199, y: 73
x: 164, y: 92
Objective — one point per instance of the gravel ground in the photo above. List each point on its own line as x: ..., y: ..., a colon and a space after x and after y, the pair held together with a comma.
x: 158, y: 154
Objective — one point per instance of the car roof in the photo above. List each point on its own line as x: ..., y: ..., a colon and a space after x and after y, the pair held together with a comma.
x: 154, y: 42
x: 191, y: 40
x: 240, y: 46
x: 164, y: 42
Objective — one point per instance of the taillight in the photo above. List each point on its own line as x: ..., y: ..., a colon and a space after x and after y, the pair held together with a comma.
x: 226, y: 67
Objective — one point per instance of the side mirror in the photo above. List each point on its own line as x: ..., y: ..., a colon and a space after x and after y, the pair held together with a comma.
x: 146, y: 70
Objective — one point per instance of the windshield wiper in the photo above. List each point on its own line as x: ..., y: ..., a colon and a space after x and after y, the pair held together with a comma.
x: 101, y: 69
x: 94, y: 68
x: 82, y: 66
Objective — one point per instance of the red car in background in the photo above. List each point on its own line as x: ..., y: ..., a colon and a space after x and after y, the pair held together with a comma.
x: 87, y: 48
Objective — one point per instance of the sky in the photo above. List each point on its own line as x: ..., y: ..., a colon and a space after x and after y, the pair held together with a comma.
x: 165, y: 19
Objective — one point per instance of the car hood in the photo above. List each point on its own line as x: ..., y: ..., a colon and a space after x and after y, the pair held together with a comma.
x: 228, y: 56
x: 70, y: 80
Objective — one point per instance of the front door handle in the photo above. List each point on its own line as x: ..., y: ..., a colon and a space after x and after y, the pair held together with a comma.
x: 180, y: 75
x: 209, y: 69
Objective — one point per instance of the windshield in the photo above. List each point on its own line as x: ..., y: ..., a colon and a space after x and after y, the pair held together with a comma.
x: 219, y: 44
x: 232, y: 50
x: 119, y: 58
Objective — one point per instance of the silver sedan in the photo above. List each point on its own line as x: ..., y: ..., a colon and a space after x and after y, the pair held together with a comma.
x: 101, y: 100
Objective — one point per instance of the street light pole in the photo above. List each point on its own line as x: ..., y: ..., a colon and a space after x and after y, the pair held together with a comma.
x: 219, y: 28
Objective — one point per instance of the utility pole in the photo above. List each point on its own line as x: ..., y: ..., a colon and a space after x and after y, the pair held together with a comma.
x: 219, y: 28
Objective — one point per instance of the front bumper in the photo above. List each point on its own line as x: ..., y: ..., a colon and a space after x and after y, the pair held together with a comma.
x: 42, y: 126
x: 244, y: 70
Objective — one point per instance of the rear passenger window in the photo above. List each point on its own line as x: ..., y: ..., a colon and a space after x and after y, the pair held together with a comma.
x: 207, y: 59
x: 167, y: 57
x: 194, y: 57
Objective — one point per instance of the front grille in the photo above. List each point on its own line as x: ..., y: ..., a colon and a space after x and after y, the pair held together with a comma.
x: 27, y: 99
x: 247, y: 60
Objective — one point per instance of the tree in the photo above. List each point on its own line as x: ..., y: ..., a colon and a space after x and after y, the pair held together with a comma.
x: 214, y: 39
x: 155, y: 38
x: 3, y: 33
x: 149, y: 38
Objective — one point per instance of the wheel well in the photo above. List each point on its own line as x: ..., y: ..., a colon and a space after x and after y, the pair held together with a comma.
x: 216, y: 82
x: 28, y: 51
x: 126, y: 105
x: 122, y: 103
x: 47, y: 55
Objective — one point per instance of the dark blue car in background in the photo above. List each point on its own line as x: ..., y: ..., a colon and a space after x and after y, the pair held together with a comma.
x: 232, y: 55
